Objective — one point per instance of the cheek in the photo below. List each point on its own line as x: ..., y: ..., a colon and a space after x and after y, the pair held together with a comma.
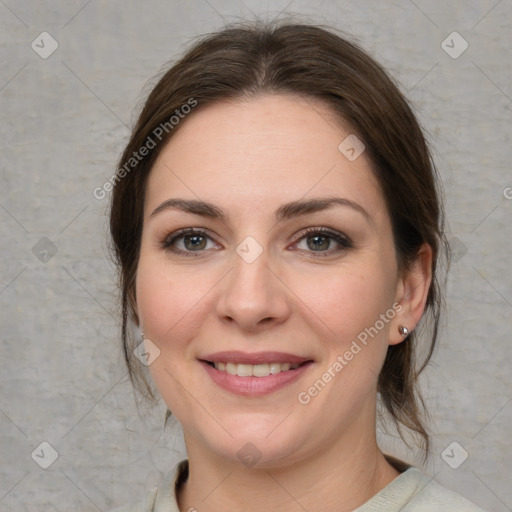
x: 349, y: 300
x: 349, y: 306
x: 168, y: 299
x: 169, y: 302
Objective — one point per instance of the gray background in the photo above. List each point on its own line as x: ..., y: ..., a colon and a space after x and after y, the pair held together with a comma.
x: 64, y: 122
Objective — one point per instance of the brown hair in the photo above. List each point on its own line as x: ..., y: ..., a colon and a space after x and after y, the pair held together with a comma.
x: 254, y: 58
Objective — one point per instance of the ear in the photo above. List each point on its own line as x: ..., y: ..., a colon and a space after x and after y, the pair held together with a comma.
x: 411, y: 294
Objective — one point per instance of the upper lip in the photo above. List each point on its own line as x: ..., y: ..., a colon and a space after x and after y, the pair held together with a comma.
x: 254, y: 358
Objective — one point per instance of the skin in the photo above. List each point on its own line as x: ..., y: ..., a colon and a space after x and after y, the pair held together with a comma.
x: 249, y: 157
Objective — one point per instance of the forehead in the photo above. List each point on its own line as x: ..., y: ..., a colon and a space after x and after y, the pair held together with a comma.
x: 259, y: 152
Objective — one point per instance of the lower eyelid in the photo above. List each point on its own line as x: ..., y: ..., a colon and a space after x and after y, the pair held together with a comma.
x: 342, y: 246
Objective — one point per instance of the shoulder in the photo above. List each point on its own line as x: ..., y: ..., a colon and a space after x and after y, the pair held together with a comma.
x: 413, y: 491
x: 429, y: 496
x: 144, y: 505
x: 163, y: 497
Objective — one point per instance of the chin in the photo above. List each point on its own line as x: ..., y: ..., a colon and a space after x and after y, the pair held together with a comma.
x: 257, y: 443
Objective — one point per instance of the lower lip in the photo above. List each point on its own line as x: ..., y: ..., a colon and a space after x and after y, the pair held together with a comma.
x: 254, y: 386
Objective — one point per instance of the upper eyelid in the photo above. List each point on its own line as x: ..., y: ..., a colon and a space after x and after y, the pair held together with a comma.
x: 338, y: 236
x: 299, y: 235
x: 321, y: 229
x: 301, y: 232
x: 180, y: 233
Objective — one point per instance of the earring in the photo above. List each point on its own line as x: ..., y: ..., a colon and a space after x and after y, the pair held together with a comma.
x: 403, y: 330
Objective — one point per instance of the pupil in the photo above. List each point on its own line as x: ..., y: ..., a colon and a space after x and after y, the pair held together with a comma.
x: 193, y: 242
x: 320, y: 242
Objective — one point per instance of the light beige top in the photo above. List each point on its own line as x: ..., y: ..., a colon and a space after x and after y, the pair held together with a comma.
x: 411, y: 491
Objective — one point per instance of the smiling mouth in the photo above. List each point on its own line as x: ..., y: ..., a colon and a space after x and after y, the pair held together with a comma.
x: 256, y: 370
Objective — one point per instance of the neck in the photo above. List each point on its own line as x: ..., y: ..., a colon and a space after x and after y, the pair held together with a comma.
x: 341, y: 478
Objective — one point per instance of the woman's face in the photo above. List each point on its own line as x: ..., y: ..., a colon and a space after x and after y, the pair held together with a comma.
x: 285, y: 275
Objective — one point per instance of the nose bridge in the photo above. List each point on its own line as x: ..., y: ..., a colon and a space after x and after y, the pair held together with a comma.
x: 252, y: 292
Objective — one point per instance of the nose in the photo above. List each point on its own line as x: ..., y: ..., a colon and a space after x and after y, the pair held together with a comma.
x: 253, y: 295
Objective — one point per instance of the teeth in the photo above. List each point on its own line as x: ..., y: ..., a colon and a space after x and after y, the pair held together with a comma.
x: 244, y: 370
x: 275, y: 368
x: 256, y: 370
x: 261, y: 370
x: 231, y: 368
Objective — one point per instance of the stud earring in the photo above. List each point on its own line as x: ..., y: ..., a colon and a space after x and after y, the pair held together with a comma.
x: 403, y: 330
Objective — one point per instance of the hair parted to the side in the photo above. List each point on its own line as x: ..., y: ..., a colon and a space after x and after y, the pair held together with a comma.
x: 244, y: 60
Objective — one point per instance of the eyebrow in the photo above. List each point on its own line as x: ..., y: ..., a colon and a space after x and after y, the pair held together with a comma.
x: 284, y: 212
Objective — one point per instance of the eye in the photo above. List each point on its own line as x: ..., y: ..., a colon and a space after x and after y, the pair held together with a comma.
x: 323, y: 240
x: 189, y: 240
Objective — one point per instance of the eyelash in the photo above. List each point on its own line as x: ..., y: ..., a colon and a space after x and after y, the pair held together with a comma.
x: 342, y: 240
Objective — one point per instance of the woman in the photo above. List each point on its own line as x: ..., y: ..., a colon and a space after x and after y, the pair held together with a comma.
x: 278, y: 230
